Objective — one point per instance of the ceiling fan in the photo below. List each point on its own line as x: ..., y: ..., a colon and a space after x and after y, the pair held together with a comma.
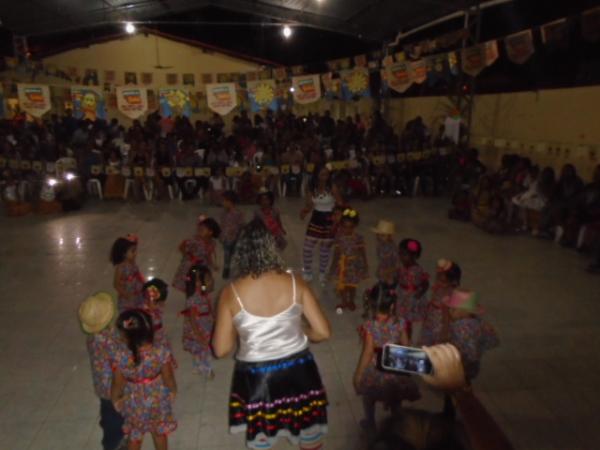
x: 158, y: 64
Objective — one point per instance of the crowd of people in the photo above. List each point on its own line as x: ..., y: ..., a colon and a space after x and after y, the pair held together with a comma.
x: 270, y: 315
x: 162, y: 157
x: 522, y: 198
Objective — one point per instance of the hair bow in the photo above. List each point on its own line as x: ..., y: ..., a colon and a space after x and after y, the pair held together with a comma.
x: 153, y: 293
x: 130, y: 324
x: 132, y: 238
x: 444, y: 265
x: 413, y: 246
x: 201, y: 218
x: 349, y: 213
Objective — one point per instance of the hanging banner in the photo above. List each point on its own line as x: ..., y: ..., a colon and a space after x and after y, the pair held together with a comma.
x: 88, y: 103
x: 306, y: 89
x: 590, y: 24
x: 360, y: 60
x: 132, y: 101
x: 478, y: 57
x: 555, y: 33
x: 519, y: 46
x: 453, y: 63
x: 418, y: 71
x: 438, y: 69
x: 262, y: 95
x: 221, y: 97
x: 397, y: 76
x: 34, y: 99
x: 174, y: 102
x: 355, y: 83
x: 332, y: 86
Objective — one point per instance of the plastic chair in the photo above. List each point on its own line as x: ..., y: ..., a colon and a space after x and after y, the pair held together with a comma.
x: 94, y: 183
x: 126, y: 172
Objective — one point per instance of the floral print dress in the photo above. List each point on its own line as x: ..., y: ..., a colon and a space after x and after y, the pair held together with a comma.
x: 350, y: 268
x: 472, y: 336
x: 101, y: 350
x: 410, y: 281
x: 132, y: 281
x: 195, y: 251
x: 160, y: 335
x: 198, y: 308
x: 388, y: 261
x: 388, y: 387
x: 147, y: 400
x: 435, y: 322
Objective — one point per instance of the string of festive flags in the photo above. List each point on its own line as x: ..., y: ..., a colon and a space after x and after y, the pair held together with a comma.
x: 347, y: 78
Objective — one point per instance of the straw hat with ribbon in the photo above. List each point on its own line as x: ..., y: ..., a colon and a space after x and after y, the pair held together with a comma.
x: 384, y: 227
x: 97, y: 312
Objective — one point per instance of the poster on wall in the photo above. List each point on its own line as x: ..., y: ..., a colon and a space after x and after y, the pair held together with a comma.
x: 306, y: 88
x: 88, y: 103
x: 34, y: 99
x: 174, y: 102
x: 355, y: 83
x: 397, y: 76
x: 221, y: 97
x: 132, y: 101
x: 262, y: 95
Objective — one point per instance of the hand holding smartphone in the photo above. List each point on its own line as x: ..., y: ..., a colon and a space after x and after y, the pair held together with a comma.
x: 398, y: 358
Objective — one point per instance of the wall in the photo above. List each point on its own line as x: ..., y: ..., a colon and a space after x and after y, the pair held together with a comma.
x: 552, y: 127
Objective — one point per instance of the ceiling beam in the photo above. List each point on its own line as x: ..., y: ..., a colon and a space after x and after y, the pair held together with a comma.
x: 294, y: 16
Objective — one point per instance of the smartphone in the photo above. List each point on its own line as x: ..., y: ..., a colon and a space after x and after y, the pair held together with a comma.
x: 405, y: 359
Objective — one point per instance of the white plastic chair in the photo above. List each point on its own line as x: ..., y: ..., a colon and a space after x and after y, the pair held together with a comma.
x: 93, y: 184
x: 126, y: 172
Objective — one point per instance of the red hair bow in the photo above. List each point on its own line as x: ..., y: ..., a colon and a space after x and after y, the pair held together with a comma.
x: 132, y: 238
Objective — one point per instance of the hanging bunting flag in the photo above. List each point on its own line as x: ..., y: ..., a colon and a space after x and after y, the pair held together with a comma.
x: 147, y: 78
x: 360, y: 60
x: 280, y: 73
x: 34, y: 99
x: 306, y: 89
x: 88, y: 103
x: 132, y: 101
x: 355, y: 83
x: 453, y: 63
x: 556, y: 33
x: 174, y: 102
x: 91, y: 77
x: 221, y: 97
x: 478, y: 57
x: 519, y: 46
x: 331, y: 85
x: 397, y: 76
x: 297, y: 70
x: 590, y: 24
x: 438, y: 69
x: 262, y: 95
x: 388, y: 61
x: 418, y: 71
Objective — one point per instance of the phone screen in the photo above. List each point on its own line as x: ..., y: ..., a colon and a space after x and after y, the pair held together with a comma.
x: 405, y: 359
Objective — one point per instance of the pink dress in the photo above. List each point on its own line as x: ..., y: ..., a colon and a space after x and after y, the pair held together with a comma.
x: 388, y: 387
x: 147, y: 404
x: 198, y: 308
x: 160, y: 334
x: 436, y: 312
x: 195, y: 251
x: 410, y: 281
x: 133, y: 281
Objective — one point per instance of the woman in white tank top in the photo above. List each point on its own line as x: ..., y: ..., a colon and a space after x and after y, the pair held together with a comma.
x: 276, y: 388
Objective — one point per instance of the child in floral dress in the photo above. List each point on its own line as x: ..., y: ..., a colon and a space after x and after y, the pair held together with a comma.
x: 199, y: 319
x: 198, y: 250
x: 271, y: 217
x: 349, y: 266
x: 373, y: 384
x: 96, y: 315
x: 469, y: 332
x: 143, y: 387
x: 156, y: 292
x: 232, y: 221
x: 128, y: 280
x: 436, y: 320
x: 413, y: 282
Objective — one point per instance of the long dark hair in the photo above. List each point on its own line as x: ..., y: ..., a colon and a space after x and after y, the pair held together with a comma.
x: 314, y: 182
x: 119, y: 249
x: 255, y: 251
x: 136, y: 325
x: 190, y: 282
x: 383, y: 297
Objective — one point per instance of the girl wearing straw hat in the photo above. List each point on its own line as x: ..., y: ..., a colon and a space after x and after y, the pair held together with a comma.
x: 96, y: 314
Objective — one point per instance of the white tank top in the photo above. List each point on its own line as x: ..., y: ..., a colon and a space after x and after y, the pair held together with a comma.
x: 324, y: 202
x: 266, y: 338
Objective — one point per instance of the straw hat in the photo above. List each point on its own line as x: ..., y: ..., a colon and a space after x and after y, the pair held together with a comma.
x: 464, y: 300
x: 384, y: 227
x: 96, y: 312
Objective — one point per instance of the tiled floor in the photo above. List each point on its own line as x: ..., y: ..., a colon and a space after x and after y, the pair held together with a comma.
x: 541, y: 384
